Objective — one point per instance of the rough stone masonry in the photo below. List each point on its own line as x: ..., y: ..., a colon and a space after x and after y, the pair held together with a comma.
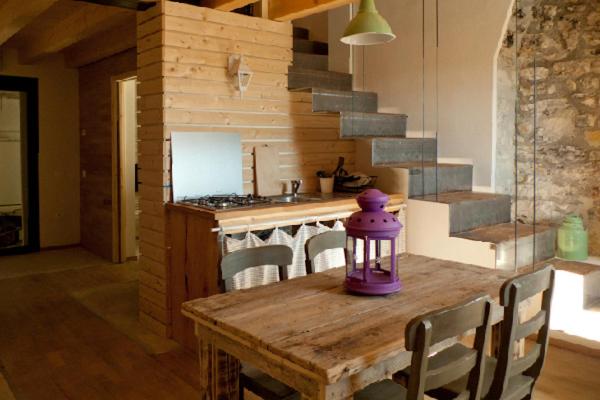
x: 560, y: 97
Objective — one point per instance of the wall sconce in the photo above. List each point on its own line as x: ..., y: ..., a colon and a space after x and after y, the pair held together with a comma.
x: 240, y: 71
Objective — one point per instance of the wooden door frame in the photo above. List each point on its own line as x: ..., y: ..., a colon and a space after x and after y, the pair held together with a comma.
x: 31, y: 87
x: 118, y: 204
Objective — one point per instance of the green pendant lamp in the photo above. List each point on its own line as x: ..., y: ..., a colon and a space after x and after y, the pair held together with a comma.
x: 368, y: 27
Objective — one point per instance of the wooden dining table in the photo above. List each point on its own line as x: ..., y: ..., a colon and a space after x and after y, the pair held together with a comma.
x: 315, y: 337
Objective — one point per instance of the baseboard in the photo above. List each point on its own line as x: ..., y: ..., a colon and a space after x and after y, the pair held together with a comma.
x: 60, y: 247
x: 579, y: 348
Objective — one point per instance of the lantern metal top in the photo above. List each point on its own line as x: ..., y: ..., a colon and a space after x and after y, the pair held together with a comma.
x: 373, y: 221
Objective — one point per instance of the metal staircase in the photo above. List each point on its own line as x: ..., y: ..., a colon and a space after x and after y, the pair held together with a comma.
x: 445, y: 218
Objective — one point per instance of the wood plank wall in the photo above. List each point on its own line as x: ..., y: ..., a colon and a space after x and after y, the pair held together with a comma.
x: 184, y: 86
x: 95, y: 121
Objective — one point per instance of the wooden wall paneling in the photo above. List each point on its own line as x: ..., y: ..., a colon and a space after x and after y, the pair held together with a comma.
x: 229, y: 19
x: 154, y: 308
x: 182, y: 59
x: 98, y: 225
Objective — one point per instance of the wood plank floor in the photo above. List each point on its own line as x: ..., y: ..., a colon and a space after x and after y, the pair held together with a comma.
x: 54, y: 347
x: 61, y: 337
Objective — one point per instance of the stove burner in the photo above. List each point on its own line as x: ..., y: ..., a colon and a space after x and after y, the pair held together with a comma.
x: 226, y: 202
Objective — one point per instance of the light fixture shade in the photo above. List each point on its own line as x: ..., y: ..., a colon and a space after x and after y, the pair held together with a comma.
x: 368, y: 27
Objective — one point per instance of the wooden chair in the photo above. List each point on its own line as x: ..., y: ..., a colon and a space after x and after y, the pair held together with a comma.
x: 433, y: 371
x: 319, y: 243
x: 507, y: 377
x: 252, y: 379
x: 240, y: 260
x: 515, y: 378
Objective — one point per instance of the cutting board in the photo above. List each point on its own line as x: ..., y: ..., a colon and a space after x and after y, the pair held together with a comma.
x: 266, y: 170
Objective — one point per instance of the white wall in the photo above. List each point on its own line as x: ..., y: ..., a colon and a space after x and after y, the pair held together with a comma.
x: 128, y: 132
x: 10, y: 152
x: 316, y: 24
x: 59, y: 145
x: 339, y: 53
x: 470, y: 33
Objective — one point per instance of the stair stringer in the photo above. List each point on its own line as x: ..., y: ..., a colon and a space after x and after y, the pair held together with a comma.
x: 427, y: 234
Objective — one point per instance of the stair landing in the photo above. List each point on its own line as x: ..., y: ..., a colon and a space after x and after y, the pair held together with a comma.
x: 575, y: 312
x: 502, y: 239
x: 459, y: 197
x: 502, y: 232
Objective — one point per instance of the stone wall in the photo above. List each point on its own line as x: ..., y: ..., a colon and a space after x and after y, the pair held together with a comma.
x: 561, y: 98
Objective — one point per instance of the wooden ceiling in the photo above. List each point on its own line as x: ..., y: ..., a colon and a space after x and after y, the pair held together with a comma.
x: 280, y: 10
x: 87, y: 32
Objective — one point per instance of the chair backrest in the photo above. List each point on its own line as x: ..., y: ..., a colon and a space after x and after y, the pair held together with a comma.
x: 512, y: 293
x: 321, y: 242
x: 240, y: 260
x: 455, y: 362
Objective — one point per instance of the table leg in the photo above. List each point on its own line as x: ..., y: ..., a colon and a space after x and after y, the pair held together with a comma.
x: 219, y: 373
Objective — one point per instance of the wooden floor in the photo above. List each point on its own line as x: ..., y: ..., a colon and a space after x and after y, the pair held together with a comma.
x: 70, y: 332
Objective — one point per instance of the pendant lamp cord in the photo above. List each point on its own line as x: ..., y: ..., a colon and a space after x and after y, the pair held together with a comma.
x: 534, y: 151
x: 423, y: 101
x: 437, y: 92
x: 517, y: 94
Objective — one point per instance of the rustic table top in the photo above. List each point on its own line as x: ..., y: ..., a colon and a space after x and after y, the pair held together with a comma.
x: 314, y: 323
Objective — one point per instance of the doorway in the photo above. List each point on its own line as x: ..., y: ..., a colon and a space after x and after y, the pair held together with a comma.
x: 127, y: 167
x: 19, y: 193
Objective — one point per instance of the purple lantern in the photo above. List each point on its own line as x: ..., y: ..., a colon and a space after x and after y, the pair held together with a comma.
x: 372, y: 226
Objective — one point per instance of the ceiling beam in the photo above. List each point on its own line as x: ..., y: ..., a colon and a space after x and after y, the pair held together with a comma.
x: 16, y: 14
x: 138, y: 5
x: 226, y: 5
x: 286, y: 10
x: 102, y: 45
x: 79, y: 23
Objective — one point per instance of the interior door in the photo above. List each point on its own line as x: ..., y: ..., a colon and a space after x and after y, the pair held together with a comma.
x: 19, y: 208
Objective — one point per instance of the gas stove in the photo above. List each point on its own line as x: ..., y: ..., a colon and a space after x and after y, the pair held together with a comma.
x: 226, y: 202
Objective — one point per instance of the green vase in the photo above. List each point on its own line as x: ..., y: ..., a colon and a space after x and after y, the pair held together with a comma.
x: 573, y: 239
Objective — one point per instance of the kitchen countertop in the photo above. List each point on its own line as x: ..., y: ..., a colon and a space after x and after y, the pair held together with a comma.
x: 336, y: 203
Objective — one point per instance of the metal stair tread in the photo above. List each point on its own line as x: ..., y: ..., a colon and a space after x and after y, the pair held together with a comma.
x: 318, y: 72
x: 419, y: 165
x: 372, y: 114
x: 461, y: 197
x: 500, y: 233
x: 300, y: 33
x: 310, y: 46
x: 334, y: 92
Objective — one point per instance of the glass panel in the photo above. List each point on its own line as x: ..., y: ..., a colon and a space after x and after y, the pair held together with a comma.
x: 13, y: 165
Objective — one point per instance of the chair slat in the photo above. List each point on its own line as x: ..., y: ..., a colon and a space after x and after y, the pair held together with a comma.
x: 452, y: 371
x: 237, y: 261
x: 532, y: 326
x: 319, y: 243
x: 450, y: 322
x: 523, y: 363
x: 530, y: 284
